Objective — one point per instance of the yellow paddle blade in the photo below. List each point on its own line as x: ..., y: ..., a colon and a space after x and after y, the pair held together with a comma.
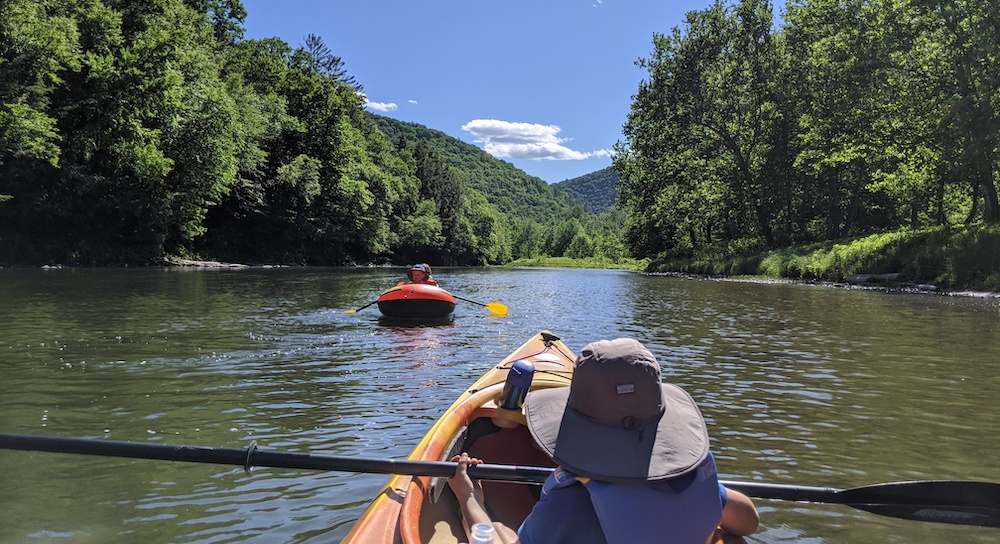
x: 497, y: 308
x: 350, y: 311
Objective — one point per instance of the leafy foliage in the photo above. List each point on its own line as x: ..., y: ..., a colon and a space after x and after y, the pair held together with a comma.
x: 530, y: 217
x: 131, y: 131
x: 855, y: 117
x: 134, y: 131
x: 596, y: 190
x: 512, y: 191
x: 944, y: 256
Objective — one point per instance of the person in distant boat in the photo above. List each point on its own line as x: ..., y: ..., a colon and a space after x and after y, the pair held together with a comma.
x: 420, y: 273
x: 633, y: 456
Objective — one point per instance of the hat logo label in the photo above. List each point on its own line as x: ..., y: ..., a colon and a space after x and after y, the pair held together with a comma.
x: 626, y: 388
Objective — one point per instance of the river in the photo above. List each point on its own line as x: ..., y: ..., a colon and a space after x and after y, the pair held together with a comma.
x: 800, y: 385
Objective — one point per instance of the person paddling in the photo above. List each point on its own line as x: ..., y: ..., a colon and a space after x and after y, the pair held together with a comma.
x: 633, y: 456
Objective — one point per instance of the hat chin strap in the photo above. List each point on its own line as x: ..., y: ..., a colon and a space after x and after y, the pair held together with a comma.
x: 631, y: 424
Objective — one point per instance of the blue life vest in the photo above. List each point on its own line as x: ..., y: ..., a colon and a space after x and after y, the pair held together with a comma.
x: 575, y: 510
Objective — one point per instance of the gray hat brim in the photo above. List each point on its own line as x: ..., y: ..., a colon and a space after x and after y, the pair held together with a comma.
x: 670, y: 447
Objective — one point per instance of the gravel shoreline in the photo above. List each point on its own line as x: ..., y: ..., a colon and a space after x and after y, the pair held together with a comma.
x: 901, y: 287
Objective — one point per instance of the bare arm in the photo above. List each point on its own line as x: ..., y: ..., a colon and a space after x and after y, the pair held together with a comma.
x: 472, y: 501
x: 739, y: 517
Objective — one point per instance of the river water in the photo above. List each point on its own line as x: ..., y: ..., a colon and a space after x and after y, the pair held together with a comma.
x: 800, y: 384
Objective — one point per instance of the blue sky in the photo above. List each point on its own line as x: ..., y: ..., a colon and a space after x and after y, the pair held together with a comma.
x: 543, y: 84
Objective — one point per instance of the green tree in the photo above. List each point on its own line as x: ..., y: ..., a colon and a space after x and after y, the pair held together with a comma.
x: 325, y: 62
x: 527, y: 238
x: 959, y: 42
x: 699, y: 157
x: 146, y: 128
x: 492, y: 238
x: 38, y: 43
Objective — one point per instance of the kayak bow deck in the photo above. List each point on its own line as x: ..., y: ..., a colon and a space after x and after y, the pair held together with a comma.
x: 421, y: 509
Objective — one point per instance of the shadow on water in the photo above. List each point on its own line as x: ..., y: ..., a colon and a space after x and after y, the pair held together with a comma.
x: 416, y: 322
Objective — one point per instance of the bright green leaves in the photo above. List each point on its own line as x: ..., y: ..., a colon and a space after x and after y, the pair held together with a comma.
x: 422, y: 230
x: 26, y: 133
x: 701, y: 127
x: 855, y: 116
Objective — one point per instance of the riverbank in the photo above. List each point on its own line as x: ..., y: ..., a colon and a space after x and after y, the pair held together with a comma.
x: 570, y: 262
x: 940, y: 259
x: 956, y: 261
x: 951, y: 261
x: 920, y: 289
x: 191, y: 263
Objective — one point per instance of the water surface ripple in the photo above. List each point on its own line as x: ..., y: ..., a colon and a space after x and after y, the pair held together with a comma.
x: 800, y: 384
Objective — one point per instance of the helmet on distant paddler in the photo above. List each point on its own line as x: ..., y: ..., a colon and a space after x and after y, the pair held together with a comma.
x: 425, y: 268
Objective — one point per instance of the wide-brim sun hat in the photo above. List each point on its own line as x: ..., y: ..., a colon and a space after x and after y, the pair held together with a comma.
x: 616, y: 421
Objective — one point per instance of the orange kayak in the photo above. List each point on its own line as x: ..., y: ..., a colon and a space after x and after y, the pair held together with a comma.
x: 486, y: 422
x: 416, y: 301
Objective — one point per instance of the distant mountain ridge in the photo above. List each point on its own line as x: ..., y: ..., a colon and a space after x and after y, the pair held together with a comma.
x: 597, y: 189
x: 514, y: 192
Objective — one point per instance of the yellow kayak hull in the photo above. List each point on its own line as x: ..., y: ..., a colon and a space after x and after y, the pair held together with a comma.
x: 421, y: 510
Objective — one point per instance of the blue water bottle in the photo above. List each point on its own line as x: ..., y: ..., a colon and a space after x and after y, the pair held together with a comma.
x: 517, y: 385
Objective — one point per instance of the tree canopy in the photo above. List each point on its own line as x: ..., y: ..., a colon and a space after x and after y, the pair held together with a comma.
x: 131, y: 131
x: 134, y: 131
x: 853, y: 117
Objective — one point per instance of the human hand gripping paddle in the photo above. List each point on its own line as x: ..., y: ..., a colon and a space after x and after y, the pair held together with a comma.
x: 953, y: 502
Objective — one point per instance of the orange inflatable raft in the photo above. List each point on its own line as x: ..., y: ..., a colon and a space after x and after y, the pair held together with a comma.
x: 416, y: 301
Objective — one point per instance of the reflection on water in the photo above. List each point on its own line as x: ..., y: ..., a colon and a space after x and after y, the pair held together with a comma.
x: 800, y: 384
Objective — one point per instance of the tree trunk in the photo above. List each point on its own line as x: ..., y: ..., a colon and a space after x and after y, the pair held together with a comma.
x: 764, y: 224
x: 974, y: 210
x: 991, y: 206
x: 939, y: 218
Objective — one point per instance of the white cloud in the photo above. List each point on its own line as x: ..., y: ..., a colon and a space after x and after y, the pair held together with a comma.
x: 505, y: 139
x: 381, y: 106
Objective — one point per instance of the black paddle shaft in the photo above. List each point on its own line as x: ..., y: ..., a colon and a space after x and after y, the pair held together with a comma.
x: 955, y: 502
x: 363, y: 307
x: 253, y: 457
x: 467, y: 300
x: 941, y: 501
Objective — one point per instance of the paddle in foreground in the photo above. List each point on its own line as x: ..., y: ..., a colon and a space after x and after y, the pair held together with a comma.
x: 487, y: 421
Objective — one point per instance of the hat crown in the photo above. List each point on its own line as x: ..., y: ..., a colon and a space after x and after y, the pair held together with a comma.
x: 617, y: 383
x: 616, y: 421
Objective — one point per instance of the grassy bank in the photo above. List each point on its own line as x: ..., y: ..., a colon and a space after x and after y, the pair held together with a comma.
x: 949, y: 257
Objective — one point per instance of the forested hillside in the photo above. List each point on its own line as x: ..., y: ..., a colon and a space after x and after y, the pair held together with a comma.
x: 542, y: 220
x: 511, y: 190
x: 597, y: 189
x: 132, y: 131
